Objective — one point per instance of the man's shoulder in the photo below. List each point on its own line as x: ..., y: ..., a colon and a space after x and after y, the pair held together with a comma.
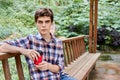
x: 57, y: 40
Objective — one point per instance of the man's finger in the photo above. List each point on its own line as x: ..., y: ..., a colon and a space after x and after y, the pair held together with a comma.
x: 32, y: 55
x: 37, y: 55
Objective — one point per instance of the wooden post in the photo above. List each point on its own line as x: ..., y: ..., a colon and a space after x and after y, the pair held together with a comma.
x: 6, y: 69
x: 93, y: 26
x: 19, y: 67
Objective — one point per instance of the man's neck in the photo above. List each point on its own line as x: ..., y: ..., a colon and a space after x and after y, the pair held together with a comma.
x: 47, y: 37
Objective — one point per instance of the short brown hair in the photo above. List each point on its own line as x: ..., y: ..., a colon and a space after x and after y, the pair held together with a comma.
x: 43, y: 12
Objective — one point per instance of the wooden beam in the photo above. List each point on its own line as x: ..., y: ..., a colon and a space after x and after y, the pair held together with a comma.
x: 95, y: 24
x: 91, y: 27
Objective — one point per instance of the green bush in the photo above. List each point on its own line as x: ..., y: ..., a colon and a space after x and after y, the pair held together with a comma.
x: 75, y: 19
x: 5, y: 32
x: 108, y: 35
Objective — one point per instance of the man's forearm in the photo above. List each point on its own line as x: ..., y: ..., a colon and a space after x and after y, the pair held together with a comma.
x: 32, y: 54
x: 54, y: 68
x: 10, y: 49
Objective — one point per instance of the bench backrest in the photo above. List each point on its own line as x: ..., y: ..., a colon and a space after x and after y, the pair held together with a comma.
x: 73, y: 48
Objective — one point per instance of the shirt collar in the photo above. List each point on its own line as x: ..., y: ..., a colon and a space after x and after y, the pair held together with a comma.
x: 38, y: 36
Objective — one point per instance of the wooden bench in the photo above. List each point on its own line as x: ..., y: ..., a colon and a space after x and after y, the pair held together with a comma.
x: 78, y: 62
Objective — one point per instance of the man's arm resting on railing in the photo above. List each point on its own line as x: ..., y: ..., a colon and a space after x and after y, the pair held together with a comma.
x: 6, y: 48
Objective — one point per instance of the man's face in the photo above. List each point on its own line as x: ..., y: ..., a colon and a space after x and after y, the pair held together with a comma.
x: 44, y: 24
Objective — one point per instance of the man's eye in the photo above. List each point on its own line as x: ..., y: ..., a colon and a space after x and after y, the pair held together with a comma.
x: 47, y: 21
x: 39, y: 21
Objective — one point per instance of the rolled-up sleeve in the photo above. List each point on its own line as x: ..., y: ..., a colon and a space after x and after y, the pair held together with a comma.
x: 22, y: 42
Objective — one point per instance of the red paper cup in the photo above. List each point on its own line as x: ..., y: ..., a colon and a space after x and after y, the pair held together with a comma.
x: 36, y: 62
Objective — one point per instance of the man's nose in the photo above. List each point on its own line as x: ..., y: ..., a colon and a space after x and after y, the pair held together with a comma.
x: 44, y: 24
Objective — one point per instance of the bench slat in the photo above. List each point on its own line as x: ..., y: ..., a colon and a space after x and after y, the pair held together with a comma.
x: 19, y: 67
x: 6, y: 69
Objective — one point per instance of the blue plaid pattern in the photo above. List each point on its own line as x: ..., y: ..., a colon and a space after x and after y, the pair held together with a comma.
x: 52, y: 53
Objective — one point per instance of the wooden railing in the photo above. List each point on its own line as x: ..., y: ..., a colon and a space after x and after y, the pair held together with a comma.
x: 4, y: 58
x: 71, y: 53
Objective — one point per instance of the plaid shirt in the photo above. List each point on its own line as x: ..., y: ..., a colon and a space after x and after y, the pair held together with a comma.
x: 52, y: 53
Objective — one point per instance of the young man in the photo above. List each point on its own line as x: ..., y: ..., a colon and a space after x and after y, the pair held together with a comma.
x: 53, y: 59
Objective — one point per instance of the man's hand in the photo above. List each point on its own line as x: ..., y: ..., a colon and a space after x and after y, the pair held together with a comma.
x: 43, y: 65
x: 32, y: 54
x: 48, y: 66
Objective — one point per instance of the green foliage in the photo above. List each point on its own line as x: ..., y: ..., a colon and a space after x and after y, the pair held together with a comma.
x: 75, y: 14
x: 19, y: 13
x: 74, y: 18
x: 16, y: 16
x: 5, y: 32
x: 109, y: 36
x: 109, y: 13
x: 5, y: 3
